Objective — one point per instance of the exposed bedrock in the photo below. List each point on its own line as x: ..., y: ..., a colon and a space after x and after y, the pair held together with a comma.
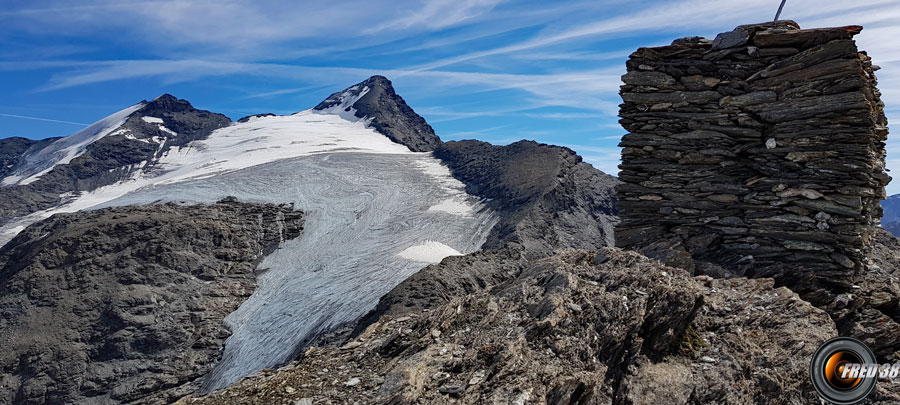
x: 387, y: 113
x: 579, y: 327
x: 13, y: 148
x: 546, y: 196
x: 127, y: 304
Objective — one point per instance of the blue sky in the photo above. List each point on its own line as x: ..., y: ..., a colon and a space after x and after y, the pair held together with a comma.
x: 494, y: 70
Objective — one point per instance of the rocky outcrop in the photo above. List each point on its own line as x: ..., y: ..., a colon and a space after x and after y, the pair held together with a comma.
x: 127, y: 304
x: 387, y: 112
x: 547, y: 198
x: 145, y: 136
x: 249, y: 117
x: 761, y: 152
x: 579, y: 327
x: 871, y: 310
x: 437, y: 284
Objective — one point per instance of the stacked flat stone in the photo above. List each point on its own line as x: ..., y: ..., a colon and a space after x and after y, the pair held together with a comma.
x: 761, y: 152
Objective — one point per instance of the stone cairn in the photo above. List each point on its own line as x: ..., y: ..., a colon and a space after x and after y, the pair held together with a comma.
x: 758, y: 154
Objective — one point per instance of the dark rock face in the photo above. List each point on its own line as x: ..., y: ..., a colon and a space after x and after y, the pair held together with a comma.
x: 580, y: 327
x: 389, y: 114
x: 179, y: 116
x: 12, y: 149
x: 547, y: 198
x: 116, y: 156
x: 762, y: 154
x: 127, y: 304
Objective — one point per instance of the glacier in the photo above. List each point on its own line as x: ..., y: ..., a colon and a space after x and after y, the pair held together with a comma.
x: 376, y: 214
x: 366, y: 213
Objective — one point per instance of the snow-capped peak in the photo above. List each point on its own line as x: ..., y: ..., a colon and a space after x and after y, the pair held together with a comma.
x: 375, y: 102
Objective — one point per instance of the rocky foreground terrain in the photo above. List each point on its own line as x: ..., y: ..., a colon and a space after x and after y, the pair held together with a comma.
x: 579, y: 327
x: 126, y: 305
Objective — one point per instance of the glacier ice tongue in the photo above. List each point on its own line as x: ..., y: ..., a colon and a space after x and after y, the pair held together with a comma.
x: 364, y: 211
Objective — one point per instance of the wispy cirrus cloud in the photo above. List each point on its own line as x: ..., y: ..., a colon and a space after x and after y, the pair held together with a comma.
x: 437, y: 14
x: 25, y: 117
x: 587, y: 90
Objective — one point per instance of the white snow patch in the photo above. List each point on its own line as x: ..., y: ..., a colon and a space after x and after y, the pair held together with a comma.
x: 15, y: 230
x: 268, y: 139
x: 429, y: 252
x: 167, y: 130
x: 64, y: 150
x: 454, y: 206
x: 458, y: 201
x: 159, y: 123
x: 345, y: 109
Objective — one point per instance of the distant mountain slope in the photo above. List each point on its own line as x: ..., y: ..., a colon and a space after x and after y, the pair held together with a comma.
x: 546, y: 196
x: 126, y: 304
x: 890, y: 220
x: 109, y: 151
x: 12, y: 149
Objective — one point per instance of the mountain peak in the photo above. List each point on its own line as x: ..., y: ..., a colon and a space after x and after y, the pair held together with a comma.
x: 378, y: 80
x: 166, y: 102
x: 375, y: 99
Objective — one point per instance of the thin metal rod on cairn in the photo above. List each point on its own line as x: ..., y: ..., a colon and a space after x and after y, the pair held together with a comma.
x: 778, y: 14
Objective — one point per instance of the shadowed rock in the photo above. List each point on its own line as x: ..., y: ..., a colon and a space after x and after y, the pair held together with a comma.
x: 127, y: 304
x: 546, y: 196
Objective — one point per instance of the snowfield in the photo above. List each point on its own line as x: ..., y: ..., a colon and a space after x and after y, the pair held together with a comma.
x: 238, y: 146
